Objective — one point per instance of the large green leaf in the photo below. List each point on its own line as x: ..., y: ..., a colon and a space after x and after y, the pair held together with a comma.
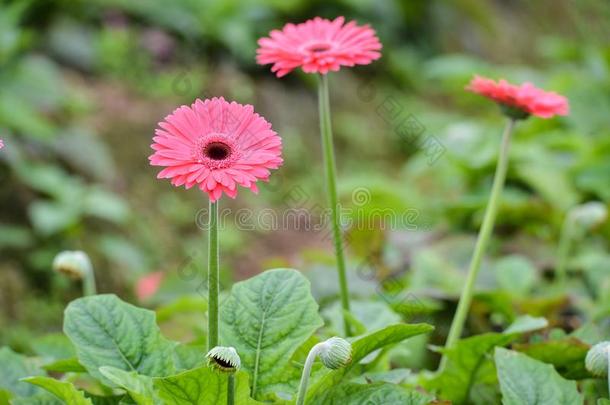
x: 266, y: 319
x: 139, y: 387
x: 468, y: 372
x: 373, y: 394
x: 62, y: 390
x: 464, y: 367
x: 361, y: 348
x: 566, y: 354
x: 14, y: 367
x: 202, y: 386
x: 43, y: 398
x: 525, y: 381
x: 109, y: 332
x: 54, y: 346
x: 189, y: 356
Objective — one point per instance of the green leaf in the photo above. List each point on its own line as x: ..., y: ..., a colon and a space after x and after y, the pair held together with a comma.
x: 364, y: 315
x: 566, y: 354
x: 14, y: 367
x: 70, y: 365
x: 373, y: 394
x: 180, y: 306
x: 526, y: 323
x: 525, y: 381
x: 5, y: 396
x: 107, y: 399
x: 139, y: 387
x: 109, y: 332
x: 291, y: 374
x: 266, y: 319
x: 44, y: 398
x: 62, y: 390
x: 54, y: 346
x: 189, y: 356
x: 515, y: 274
x: 361, y: 348
x: 202, y: 386
x: 468, y: 372
x: 464, y: 366
x: 394, y: 376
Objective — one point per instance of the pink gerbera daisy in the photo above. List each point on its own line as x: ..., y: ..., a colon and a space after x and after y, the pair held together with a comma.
x: 148, y: 285
x: 216, y: 145
x: 318, y: 46
x: 525, y: 99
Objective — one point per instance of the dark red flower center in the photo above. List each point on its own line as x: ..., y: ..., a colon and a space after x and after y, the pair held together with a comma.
x: 318, y: 47
x: 217, y: 151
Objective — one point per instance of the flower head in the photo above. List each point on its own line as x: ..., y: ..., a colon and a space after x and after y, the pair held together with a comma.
x: 335, y: 353
x: 520, y: 101
x: 148, y: 285
x: 216, y: 145
x: 73, y: 263
x: 224, y: 359
x: 318, y: 46
x: 596, y: 360
x: 1, y: 144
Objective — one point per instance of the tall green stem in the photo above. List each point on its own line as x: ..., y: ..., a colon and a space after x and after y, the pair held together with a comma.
x: 563, y: 251
x: 231, y: 390
x: 608, y: 357
x: 483, y: 239
x: 331, y: 186
x: 311, y: 357
x: 213, y: 276
x: 89, y: 283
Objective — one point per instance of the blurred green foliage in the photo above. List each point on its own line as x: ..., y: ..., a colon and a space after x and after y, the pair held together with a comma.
x: 83, y: 83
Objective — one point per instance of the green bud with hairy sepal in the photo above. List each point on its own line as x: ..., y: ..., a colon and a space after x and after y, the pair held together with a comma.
x: 590, y: 214
x: 73, y: 263
x: 224, y: 359
x: 597, y: 359
x: 335, y: 353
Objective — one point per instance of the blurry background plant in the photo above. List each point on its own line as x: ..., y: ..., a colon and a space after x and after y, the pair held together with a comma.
x: 83, y: 84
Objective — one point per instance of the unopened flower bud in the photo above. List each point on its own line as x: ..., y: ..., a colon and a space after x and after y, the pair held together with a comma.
x: 597, y: 359
x: 590, y: 214
x: 335, y: 353
x: 73, y: 263
x: 224, y: 359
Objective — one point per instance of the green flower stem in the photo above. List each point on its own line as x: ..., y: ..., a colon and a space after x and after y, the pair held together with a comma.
x: 213, y: 276
x: 331, y: 185
x: 483, y: 239
x: 231, y: 390
x: 608, y: 357
x: 311, y: 357
x: 89, y: 283
x: 563, y: 251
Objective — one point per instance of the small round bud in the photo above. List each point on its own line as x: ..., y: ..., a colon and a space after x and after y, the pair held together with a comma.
x: 73, y: 263
x: 590, y: 214
x: 224, y: 359
x: 597, y: 359
x: 336, y: 353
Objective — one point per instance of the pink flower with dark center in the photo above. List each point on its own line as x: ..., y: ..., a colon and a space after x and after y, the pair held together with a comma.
x: 527, y: 98
x: 148, y: 285
x: 216, y: 145
x: 318, y: 46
